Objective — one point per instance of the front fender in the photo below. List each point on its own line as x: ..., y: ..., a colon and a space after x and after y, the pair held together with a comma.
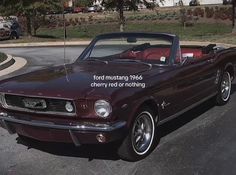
x: 138, y: 104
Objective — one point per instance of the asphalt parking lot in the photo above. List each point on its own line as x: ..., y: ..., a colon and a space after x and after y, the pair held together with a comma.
x: 200, y: 142
x: 39, y: 57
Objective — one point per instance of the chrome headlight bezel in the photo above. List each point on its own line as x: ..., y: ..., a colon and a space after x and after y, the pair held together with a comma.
x: 69, y: 107
x: 102, y: 108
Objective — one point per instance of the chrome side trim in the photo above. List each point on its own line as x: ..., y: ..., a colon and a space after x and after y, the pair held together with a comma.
x: 186, y: 109
x: 83, y: 126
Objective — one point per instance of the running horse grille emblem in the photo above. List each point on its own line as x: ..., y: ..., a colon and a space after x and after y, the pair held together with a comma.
x: 34, y: 103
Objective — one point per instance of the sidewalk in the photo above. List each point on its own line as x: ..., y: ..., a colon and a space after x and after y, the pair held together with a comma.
x: 45, y: 44
x: 12, y: 64
x: 7, y: 63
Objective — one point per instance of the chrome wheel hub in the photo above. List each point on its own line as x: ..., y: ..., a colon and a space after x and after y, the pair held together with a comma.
x: 225, y: 86
x: 142, y: 133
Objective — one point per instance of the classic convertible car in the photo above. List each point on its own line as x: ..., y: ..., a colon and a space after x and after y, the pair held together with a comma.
x: 121, y: 88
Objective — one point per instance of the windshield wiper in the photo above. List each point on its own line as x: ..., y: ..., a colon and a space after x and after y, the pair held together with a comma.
x: 95, y: 59
x: 136, y: 61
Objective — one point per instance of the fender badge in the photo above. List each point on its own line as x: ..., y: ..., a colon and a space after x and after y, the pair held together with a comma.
x: 164, y: 105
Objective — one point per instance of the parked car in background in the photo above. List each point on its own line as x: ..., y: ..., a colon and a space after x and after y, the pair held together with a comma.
x: 12, y: 28
x: 4, y: 33
x: 54, y: 12
x: 95, y: 8
x: 141, y: 6
x: 91, y: 9
x: 68, y: 10
x: 78, y: 9
x: 15, y: 30
x: 194, y: 3
x: 13, y: 18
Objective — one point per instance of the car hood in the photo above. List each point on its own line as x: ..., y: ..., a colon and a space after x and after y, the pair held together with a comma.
x: 71, y: 81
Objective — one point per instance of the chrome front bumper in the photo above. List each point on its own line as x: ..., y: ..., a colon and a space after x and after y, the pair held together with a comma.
x: 6, y: 121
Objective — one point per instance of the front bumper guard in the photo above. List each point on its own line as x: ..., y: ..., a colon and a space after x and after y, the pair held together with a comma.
x: 84, y: 126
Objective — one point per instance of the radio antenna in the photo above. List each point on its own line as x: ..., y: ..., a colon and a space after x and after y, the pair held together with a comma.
x: 65, y: 36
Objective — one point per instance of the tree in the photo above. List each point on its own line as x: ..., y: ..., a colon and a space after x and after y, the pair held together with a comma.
x: 83, y: 3
x: 30, y: 9
x: 116, y: 4
x: 130, y: 4
x: 119, y: 5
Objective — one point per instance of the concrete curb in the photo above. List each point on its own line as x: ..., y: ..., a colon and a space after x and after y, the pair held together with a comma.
x: 45, y: 44
x: 85, y: 43
x: 7, y: 63
x: 18, y: 64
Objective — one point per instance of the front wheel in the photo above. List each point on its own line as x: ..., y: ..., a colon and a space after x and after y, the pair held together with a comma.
x: 139, y: 142
x: 224, y: 89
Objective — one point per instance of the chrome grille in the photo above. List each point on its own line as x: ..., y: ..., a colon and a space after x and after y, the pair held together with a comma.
x: 53, y: 106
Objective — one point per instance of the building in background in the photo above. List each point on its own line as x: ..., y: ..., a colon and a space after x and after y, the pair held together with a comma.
x: 168, y: 3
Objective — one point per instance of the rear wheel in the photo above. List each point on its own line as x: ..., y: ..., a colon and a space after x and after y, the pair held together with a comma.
x: 224, y: 89
x: 139, y: 142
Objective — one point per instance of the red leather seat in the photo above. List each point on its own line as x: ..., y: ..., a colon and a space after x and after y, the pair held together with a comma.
x: 197, y: 53
x: 156, y: 53
x: 148, y: 54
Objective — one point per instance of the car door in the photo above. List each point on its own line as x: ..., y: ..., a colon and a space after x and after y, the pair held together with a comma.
x: 195, y: 81
x: 191, y: 83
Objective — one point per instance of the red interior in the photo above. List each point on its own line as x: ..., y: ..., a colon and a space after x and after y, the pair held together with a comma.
x: 157, y: 53
x: 197, y: 53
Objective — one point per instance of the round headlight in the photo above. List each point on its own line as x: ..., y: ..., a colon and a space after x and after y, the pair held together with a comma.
x: 102, y: 108
x: 69, y: 107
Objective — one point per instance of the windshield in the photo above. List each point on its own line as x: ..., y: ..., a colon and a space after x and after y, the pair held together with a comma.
x: 152, y: 50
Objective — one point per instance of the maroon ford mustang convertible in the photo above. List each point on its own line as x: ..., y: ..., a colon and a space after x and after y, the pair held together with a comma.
x: 121, y: 88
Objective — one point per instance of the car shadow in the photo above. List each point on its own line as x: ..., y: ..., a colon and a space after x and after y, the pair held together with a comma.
x: 105, y: 152
x: 188, y: 116
x: 108, y: 151
x: 233, y: 89
x: 185, y: 118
